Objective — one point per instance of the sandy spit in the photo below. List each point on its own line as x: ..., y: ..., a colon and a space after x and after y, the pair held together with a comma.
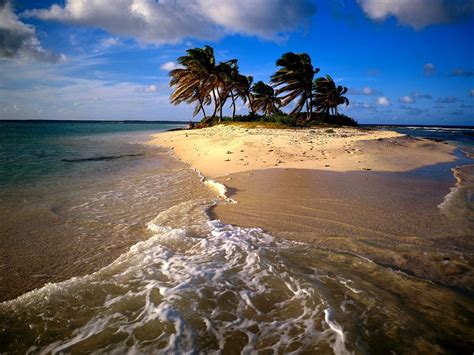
x: 224, y: 149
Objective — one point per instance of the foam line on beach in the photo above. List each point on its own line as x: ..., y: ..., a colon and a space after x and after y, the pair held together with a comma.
x: 214, y: 185
x: 460, y: 183
x: 174, y: 271
x: 452, y: 193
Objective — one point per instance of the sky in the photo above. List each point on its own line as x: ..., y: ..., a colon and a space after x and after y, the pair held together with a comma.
x: 403, y: 61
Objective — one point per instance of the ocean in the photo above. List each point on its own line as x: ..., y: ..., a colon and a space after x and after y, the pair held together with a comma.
x: 106, y: 245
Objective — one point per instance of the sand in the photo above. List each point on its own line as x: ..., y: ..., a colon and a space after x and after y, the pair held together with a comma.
x: 392, y: 219
x: 346, y: 189
x: 222, y: 150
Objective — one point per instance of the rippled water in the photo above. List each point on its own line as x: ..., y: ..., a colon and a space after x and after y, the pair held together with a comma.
x: 181, y: 282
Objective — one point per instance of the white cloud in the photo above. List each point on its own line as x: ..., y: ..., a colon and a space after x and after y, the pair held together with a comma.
x: 110, y: 42
x: 19, y: 40
x: 419, y: 13
x: 171, y: 21
x: 429, y: 69
x: 169, y: 66
x: 54, y: 94
x: 383, y: 101
x: 407, y: 99
x: 367, y: 91
x: 151, y: 88
x: 264, y: 18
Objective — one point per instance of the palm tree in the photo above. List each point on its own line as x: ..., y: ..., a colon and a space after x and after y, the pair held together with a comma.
x: 228, y: 74
x: 189, y: 90
x: 244, y: 91
x: 328, y: 96
x: 265, y: 99
x: 295, y: 81
x: 196, y: 80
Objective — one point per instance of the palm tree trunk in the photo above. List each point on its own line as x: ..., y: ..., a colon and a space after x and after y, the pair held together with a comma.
x: 308, y: 115
x: 215, y: 103
x: 233, y: 104
x: 220, y: 110
x: 221, y: 105
x: 249, y: 97
x: 202, y: 109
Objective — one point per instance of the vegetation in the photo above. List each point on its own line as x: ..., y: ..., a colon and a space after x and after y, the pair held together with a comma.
x: 295, y: 80
x: 201, y: 81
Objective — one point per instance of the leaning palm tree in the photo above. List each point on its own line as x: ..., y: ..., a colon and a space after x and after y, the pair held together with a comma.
x: 295, y: 81
x: 228, y: 74
x: 328, y: 96
x: 244, y: 91
x: 265, y: 99
x: 196, y: 79
x: 188, y: 90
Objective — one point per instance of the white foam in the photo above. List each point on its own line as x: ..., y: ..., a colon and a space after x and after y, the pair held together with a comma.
x: 338, y: 346
x: 170, y: 278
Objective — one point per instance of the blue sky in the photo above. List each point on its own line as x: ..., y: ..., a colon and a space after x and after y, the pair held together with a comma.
x: 404, y: 61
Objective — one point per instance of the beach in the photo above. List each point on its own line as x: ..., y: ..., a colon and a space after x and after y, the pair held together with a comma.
x: 226, y: 149
x: 172, y: 241
x: 341, y: 189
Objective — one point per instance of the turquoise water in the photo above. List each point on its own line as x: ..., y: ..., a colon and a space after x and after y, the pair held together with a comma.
x: 31, y: 150
x: 460, y: 136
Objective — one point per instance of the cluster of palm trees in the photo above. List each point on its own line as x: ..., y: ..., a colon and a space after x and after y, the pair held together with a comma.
x: 201, y: 81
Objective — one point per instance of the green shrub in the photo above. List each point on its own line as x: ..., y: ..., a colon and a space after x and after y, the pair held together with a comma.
x: 282, y: 118
x: 340, y: 120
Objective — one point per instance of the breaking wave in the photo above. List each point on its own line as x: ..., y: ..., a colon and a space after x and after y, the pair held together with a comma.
x: 204, y: 285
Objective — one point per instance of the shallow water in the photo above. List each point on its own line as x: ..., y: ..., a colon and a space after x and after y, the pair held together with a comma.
x: 153, y: 272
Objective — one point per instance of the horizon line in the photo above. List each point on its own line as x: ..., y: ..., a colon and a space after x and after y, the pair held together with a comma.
x: 188, y: 121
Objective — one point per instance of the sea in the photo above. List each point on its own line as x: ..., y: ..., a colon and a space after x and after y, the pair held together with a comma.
x: 106, y: 246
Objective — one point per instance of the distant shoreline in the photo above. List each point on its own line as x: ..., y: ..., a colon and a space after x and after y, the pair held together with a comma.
x: 362, y: 125
x: 93, y: 121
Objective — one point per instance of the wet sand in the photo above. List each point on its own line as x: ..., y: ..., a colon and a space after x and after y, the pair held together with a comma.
x: 391, y: 218
x: 363, y: 192
x: 67, y: 227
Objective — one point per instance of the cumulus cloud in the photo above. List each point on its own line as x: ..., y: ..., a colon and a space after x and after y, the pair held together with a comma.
x: 54, y: 94
x: 383, y: 101
x: 19, y: 40
x: 151, y: 88
x: 171, y: 21
x: 419, y: 13
x: 367, y: 91
x: 429, y: 69
x: 257, y: 17
x: 169, y: 66
x: 110, y: 42
x: 407, y: 99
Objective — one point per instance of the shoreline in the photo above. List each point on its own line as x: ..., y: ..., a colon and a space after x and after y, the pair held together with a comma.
x: 364, y: 270
x: 222, y: 150
x: 382, y: 213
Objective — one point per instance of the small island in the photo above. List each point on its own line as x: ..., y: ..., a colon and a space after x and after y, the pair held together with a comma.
x: 236, y: 177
